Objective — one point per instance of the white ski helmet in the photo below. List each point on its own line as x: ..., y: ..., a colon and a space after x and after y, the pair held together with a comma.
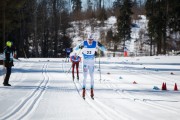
x: 90, y: 36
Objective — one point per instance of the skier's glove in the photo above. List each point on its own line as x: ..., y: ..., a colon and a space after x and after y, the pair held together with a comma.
x: 81, y: 47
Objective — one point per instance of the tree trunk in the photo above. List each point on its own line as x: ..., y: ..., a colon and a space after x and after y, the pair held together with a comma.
x: 115, y: 49
x: 151, y: 47
x: 55, y: 28
x: 4, y: 19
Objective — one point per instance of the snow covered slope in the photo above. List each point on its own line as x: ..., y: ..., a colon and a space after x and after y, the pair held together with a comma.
x: 43, y: 89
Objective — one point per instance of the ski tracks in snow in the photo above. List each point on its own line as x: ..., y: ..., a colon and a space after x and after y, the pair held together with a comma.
x: 27, y: 105
x: 157, y: 104
x: 149, y: 102
x: 109, y: 112
x: 103, y: 110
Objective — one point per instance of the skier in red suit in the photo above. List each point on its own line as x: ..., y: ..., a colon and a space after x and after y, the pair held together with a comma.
x: 75, y: 59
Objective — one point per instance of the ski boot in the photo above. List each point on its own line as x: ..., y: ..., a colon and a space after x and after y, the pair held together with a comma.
x: 92, y: 93
x: 83, y: 93
x: 78, y: 78
x: 6, y: 84
x: 73, y: 78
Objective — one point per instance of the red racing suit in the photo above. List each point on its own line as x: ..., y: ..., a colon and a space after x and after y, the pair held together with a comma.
x: 75, y: 62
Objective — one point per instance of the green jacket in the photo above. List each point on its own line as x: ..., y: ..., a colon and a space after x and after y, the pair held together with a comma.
x: 8, y: 57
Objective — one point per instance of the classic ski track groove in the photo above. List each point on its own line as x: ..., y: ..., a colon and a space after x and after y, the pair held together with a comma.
x: 100, y: 112
x: 131, y: 97
x: 107, y: 113
x: 170, y: 79
x: 27, y: 105
x: 158, y: 78
x: 141, y: 101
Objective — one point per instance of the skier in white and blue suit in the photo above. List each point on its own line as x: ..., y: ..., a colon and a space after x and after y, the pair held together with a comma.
x: 89, y: 48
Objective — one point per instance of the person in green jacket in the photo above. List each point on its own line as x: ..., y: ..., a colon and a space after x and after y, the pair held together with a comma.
x: 8, y: 62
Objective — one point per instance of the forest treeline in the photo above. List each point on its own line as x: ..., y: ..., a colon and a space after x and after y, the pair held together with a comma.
x: 39, y: 28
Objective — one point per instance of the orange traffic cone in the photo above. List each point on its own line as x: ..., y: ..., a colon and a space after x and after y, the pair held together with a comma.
x: 163, y: 86
x: 175, y: 87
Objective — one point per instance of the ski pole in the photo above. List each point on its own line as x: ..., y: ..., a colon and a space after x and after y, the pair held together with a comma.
x: 99, y: 66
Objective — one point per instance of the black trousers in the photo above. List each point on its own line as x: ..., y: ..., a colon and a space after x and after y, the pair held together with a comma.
x: 8, y: 73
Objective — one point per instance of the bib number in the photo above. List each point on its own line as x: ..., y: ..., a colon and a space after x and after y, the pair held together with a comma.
x: 88, y: 52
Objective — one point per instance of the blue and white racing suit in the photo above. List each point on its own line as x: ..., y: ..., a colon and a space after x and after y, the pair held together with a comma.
x: 88, y: 53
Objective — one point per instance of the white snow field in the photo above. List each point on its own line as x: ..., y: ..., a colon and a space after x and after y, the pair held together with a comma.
x: 42, y: 89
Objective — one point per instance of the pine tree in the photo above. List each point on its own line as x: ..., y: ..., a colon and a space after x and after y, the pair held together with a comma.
x: 112, y: 41
x: 76, y: 9
x: 124, y: 19
x: 174, y: 16
x: 76, y: 5
x: 151, y: 24
x: 89, y: 5
x: 10, y: 20
x: 157, y: 12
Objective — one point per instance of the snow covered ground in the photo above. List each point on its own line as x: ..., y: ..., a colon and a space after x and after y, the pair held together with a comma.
x: 42, y: 89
